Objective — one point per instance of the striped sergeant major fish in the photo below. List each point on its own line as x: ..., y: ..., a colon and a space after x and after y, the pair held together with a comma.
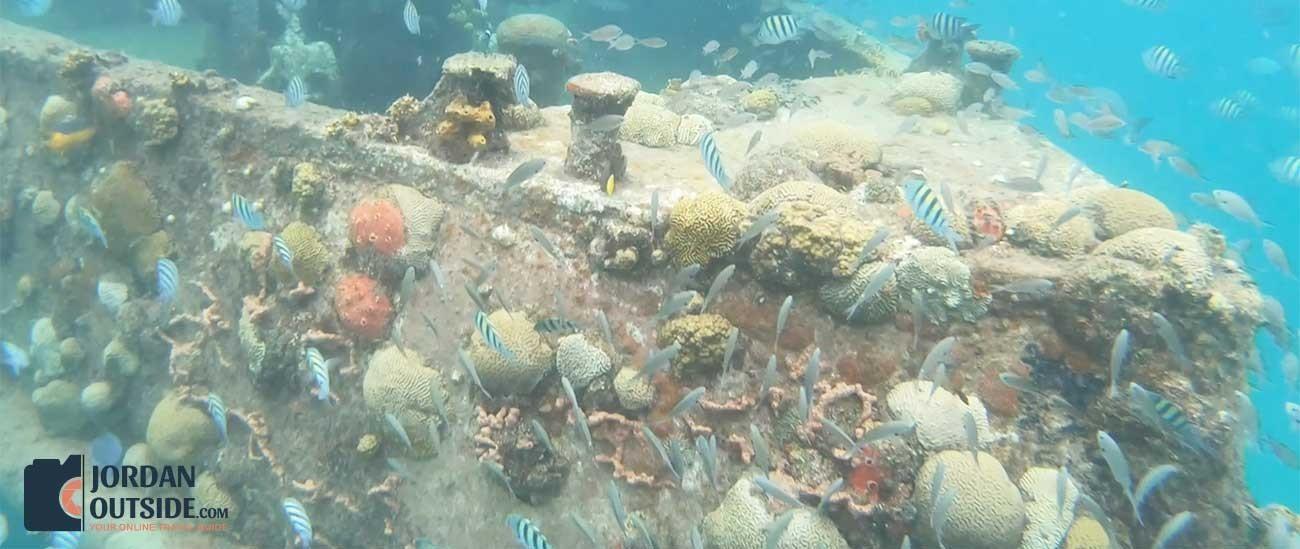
x: 526, y: 533
x: 295, y: 93
x: 411, y: 18
x: 1160, y: 412
x: 778, y: 29
x: 1227, y: 108
x: 245, y: 212
x: 297, y: 515
x: 490, y: 336
x: 950, y: 28
x: 217, y: 411
x: 167, y: 13
x: 168, y: 278
x: 927, y: 206
x: 713, y: 160
x: 1162, y: 61
x: 522, y: 86
x: 283, y: 252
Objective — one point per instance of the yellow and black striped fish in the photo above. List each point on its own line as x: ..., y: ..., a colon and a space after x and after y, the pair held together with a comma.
x: 928, y: 207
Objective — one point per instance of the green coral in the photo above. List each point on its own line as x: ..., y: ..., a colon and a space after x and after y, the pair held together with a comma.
x: 762, y: 102
x: 146, y: 251
x: 58, y: 405
x: 533, y: 357
x: 703, y: 228
x: 157, y: 121
x: 310, y: 257
x: 633, y: 391
x: 124, y: 205
x: 807, y: 245
x: 839, y: 295
x: 179, y: 433
x: 703, y: 340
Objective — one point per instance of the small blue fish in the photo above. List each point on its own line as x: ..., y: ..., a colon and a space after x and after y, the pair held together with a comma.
x: 32, y: 8
x: 90, y: 224
x: 167, y: 13
x: 490, y: 337
x: 168, y: 278
x: 1158, y: 410
x: 282, y: 252
x: 713, y: 160
x: 246, y: 213
x: 297, y: 515
x: 217, y: 411
x: 527, y: 534
x: 14, y: 358
x: 106, y: 449
x: 927, y: 207
x: 320, y: 372
x: 1173, y: 528
x: 522, y: 86
x: 411, y: 18
x: 295, y: 93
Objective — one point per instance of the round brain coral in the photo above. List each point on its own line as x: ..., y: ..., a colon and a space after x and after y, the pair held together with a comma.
x: 362, y: 306
x: 703, y: 340
x: 1030, y: 227
x: 397, y: 382
x: 939, y: 419
x: 769, y: 169
x: 941, y: 89
x: 532, y: 356
x: 1151, y: 246
x: 310, y: 258
x: 377, y: 224
x: 790, y: 190
x: 740, y: 520
x: 580, y: 361
x: 988, y: 512
x: 1047, y: 526
x: 1087, y: 533
x: 838, y: 296
x: 422, y: 217
x: 944, y: 281
x: 650, y: 125
x: 807, y: 245
x: 634, y: 392
x: 703, y: 228
x: 1118, y: 210
x: 179, y: 433
x: 841, y: 154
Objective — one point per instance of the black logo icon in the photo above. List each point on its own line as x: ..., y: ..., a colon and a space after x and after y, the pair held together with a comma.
x: 52, y: 493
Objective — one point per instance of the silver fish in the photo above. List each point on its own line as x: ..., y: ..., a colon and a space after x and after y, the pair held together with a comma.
x: 683, y: 276
x: 812, y: 372
x: 1277, y: 256
x: 1019, y: 383
x: 939, y: 517
x: 870, y: 247
x: 937, y: 354
x: 804, y: 404
x: 1173, y: 528
x: 398, y: 429
x: 654, y: 215
x: 498, y: 473
x: 1003, y: 81
x: 697, y: 541
x: 1066, y: 216
x: 586, y: 530
x: 658, y: 360
x: 884, y: 431
x: 607, y: 123
x: 838, y: 432
x: 616, y: 505
x: 918, y: 316
x: 1062, y: 488
x: 937, y: 486
x: 872, y: 289
x: 1234, y: 205
x: 781, y: 317
x: 687, y: 402
x: 674, y: 304
x: 972, y: 434
x: 719, y: 282
x: 762, y: 456
x: 545, y: 243
x: 1150, y: 481
x: 524, y: 172
x: 769, y: 377
x: 938, y: 381
x: 772, y: 534
x: 1075, y: 169
x: 825, y: 502
x: 1119, y: 350
x: 605, y: 330
x: 1167, y: 332
x: 908, y: 124
x: 976, y: 67
x: 753, y: 141
x: 760, y: 224
x: 1028, y: 286
x: 733, y: 337
x: 475, y: 296
x: 708, y: 450
x: 659, y: 448
x: 539, y: 433
x: 750, y: 68
x: 1062, y: 123
x: 407, y: 288
x: 907, y: 542
x: 776, y: 492
x: 467, y: 363
x: 1115, y: 460
x: 438, y: 277
x: 579, y: 418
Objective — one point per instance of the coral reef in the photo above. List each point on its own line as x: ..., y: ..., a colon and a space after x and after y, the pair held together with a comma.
x: 840, y: 154
x: 378, y: 225
x: 156, y: 121
x: 634, y: 392
x: 692, y: 128
x: 208, y: 494
x: 179, y: 433
x: 533, y: 357
x: 944, y: 281
x: 939, y: 418
x: 464, y: 129
x: 595, y: 155
x: 942, y: 90
x: 396, y: 382
x: 58, y: 404
x: 311, y: 259
x: 308, y: 186
x: 703, y: 228
x: 421, y: 217
x: 650, y: 125
x: 703, y: 340
x: 767, y: 169
x: 1030, y: 226
x: 988, y: 512
x: 124, y: 205
x: 1047, y: 524
x: 839, y: 295
x: 808, y: 245
x: 1186, y: 260
x: 363, y: 307
x: 580, y: 361
x: 1117, y: 210
x: 740, y: 521
x: 762, y: 102
x: 544, y: 45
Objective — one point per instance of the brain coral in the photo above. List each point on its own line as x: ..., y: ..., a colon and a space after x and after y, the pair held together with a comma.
x: 944, y: 281
x: 988, y: 512
x: 841, y: 154
x: 532, y: 356
x: 45, y: 209
x: 1087, y: 533
x: 910, y: 105
x: 692, y: 128
x: 397, y: 382
x: 740, y: 520
x: 362, y: 306
x: 422, y: 217
x: 1047, y: 526
x: 839, y: 295
x: 650, y: 125
x: 807, y: 245
x: 940, y: 420
x: 532, y: 30
x: 58, y: 405
x: 377, y: 224
x: 703, y: 228
x: 634, y: 392
x: 767, y: 169
x: 1117, y: 210
x: 1187, y: 262
x: 579, y: 360
x: 1030, y: 227
x: 802, y: 190
x: 941, y: 89
x: 703, y: 340
x: 810, y: 529
x: 124, y: 205
x: 179, y: 433
x: 310, y: 257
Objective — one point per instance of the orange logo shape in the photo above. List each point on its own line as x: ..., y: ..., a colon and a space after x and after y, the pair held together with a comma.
x: 70, y: 497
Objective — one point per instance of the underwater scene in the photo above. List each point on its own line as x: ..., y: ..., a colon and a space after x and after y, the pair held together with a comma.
x: 723, y: 274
